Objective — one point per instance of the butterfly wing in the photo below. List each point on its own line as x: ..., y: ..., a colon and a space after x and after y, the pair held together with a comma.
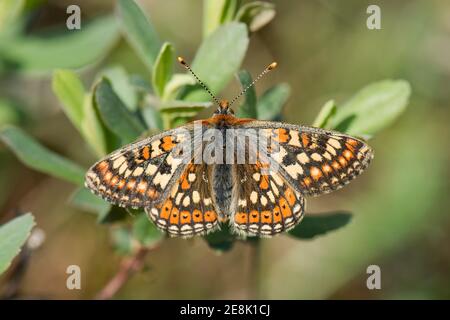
x: 312, y: 160
x: 141, y: 173
x: 189, y: 209
x: 266, y: 204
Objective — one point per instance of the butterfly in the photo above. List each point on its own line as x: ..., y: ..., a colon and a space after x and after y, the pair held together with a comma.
x: 186, y: 194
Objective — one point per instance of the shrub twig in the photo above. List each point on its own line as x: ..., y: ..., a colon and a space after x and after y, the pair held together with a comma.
x: 128, y: 267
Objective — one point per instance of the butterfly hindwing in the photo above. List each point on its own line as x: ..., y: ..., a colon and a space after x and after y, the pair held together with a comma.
x: 188, y: 210
x: 266, y: 204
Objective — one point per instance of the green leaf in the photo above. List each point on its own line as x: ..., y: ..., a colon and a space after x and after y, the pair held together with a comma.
x: 9, y: 11
x: 111, y: 215
x: 373, y: 108
x: 94, y: 131
x: 77, y: 105
x: 325, y: 115
x: 174, y: 122
x: 178, y: 81
x: 162, y: 70
x: 256, y: 14
x: 61, y: 50
x: 272, y: 101
x: 122, y: 240
x: 10, y: 113
x: 145, y: 231
x: 316, y: 225
x: 12, y: 237
x: 175, y: 113
x: 248, y: 108
x: 115, y: 114
x: 139, y: 31
x: 221, y: 240
x: 218, y: 58
x: 216, y: 13
x: 86, y: 200
x: 140, y: 84
x: 122, y: 86
x: 152, y: 117
x: 34, y: 155
x: 69, y: 89
x: 180, y: 106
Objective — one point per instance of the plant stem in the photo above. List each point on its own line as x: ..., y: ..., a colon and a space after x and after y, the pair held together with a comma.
x: 128, y: 267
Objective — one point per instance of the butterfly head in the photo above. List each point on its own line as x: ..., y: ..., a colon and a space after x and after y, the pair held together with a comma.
x: 224, y: 108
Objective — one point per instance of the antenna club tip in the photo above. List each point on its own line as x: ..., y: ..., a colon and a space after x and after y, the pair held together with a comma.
x: 272, y: 66
x: 181, y: 60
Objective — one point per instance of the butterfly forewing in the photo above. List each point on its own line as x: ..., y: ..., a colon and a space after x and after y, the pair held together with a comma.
x: 313, y: 160
x: 140, y: 174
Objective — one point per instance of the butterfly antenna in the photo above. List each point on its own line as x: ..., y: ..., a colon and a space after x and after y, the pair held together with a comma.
x: 270, y: 67
x: 184, y: 63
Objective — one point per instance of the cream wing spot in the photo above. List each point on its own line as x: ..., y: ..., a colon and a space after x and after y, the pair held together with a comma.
x: 253, y: 197
x: 118, y: 162
x: 178, y: 198
x: 123, y: 167
x: 138, y: 171
x: 196, y: 197
x: 277, y: 179
x: 331, y: 150
x: 151, y: 169
x: 271, y: 197
x: 186, y: 201
x: 162, y: 179
x: 303, y: 158
x: 327, y: 155
x: 274, y: 188
x: 316, y: 157
x: 295, y: 141
x: 279, y: 156
x: 263, y: 200
x: 294, y: 170
x: 334, y: 143
x: 155, y: 148
x: 127, y: 173
x: 174, y: 162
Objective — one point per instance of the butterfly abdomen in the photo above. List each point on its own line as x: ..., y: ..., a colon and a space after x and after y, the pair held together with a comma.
x: 222, y: 188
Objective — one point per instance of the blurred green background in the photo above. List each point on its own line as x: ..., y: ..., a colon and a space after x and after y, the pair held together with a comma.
x: 325, y: 51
